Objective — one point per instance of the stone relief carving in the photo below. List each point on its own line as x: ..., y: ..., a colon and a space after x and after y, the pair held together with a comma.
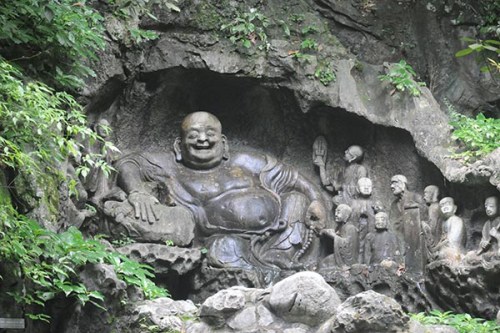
x: 452, y: 242
x: 405, y: 218
x: 382, y: 244
x: 491, y: 230
x: 347, y: 182
x: 345, y: 239
x: 363, y: 212
x: 249, y: 210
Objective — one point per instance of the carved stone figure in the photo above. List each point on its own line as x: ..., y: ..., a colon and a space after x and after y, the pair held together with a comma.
x: 73, y: 210
x: 432, y: 218
x: 382, y: 244
x: 352, y: 173
x: 453, y: 240
x: 345, y: 240
x: 96, y: 182
x: 405, y: 218
x: 363, y: 213
x: 250, y: 210
x: 491, y: 230
x: 347, y: 181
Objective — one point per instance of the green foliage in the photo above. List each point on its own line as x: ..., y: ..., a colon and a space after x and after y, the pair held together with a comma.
x: 122, y: 241
x: 401, y: 76
x: 52, y: 39
x: 479, y: 136
x: 248, y: 29
x: 47, y: 262
x: 464, y: 323
x: 325, y: 74
x: 481, y: 47
x: 38, y: 130
x: 129, y: 12
x: 54, y: 42
x: 309, y: 44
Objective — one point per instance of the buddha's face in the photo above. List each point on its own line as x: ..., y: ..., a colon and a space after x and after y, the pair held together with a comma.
x: 365, y: 186
x: 381, y: 221
x: 202, y: 142
x: 447, y: 206
x: 491, y: 206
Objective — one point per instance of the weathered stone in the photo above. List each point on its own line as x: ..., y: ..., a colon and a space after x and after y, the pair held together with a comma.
x: 371, y: 312
x: 217, y: 308
x: 469, y: 287
x: 165, y: 313
x: 266, y: 318
x: 103, y: 278
x: 164, y: 258
x: 174, y: 224
x: 245, y: 320
x: 304, y: 298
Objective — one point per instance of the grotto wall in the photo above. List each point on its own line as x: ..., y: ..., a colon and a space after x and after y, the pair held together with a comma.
x: 269, y: 102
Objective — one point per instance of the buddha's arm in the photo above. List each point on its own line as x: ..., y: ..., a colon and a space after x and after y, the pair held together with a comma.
x: 130, y: 180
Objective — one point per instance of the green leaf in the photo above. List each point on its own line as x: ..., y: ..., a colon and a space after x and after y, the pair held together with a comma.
x: 464, y: 52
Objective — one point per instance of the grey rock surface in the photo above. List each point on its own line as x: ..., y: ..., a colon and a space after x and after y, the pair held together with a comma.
x: 372, y: 312
x: 164, y: 258
x: 305, y: 298
x: 174, y: 224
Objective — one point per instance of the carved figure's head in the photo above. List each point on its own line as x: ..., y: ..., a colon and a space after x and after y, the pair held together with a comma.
x: 201, y: 144
x: 491, y: 206
x: 102, y: 128
x: 431, y: 194
x: 353, y: 154
x: 365, y: 186
x: 381, y: 221
x: 342, y: 213
x: 447, y: 207
x: 398, y: 184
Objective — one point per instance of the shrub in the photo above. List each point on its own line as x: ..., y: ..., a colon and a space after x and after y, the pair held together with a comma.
x: 464, y: 323
x: 401, y: 76
x: 479, y: 136
x: 248, y: 29
x: 47, y: 262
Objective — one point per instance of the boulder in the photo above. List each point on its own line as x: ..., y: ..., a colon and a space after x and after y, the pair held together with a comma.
x: 371, y: 312
x: 305, y: 298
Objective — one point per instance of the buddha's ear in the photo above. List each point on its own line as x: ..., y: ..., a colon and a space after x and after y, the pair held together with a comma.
x: 177, y: 149
x: 225, y: 155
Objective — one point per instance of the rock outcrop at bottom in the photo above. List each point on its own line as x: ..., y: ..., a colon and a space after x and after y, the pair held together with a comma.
x: 301, y: 303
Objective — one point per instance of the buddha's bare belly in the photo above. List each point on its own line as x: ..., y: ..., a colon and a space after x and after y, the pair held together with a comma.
x: 252, y: 210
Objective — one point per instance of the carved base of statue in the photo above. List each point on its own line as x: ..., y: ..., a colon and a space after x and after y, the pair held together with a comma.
x: 175, y: 224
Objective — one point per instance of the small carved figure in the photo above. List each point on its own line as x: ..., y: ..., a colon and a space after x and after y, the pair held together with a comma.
x: 405, y: 219
x: 241, y: 204
x: 345, y: 239
x: 96, y: 182
x: 347, y: 183
x: 432, y: 218
x: 363, y: 214
x: 382, y: 244
x: 73, y: 197
x: 491, y: 230
x: 453, y: 240
x: 352, y: 173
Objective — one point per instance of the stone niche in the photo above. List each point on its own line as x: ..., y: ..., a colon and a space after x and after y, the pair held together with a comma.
x: 264, y: 116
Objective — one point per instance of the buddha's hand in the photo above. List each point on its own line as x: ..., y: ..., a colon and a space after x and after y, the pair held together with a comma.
x: 144, y: 206
x: 316, y: 215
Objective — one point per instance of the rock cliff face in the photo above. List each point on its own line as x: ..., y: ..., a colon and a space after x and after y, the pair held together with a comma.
x: 312, y: 70
x: 274, y: 100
